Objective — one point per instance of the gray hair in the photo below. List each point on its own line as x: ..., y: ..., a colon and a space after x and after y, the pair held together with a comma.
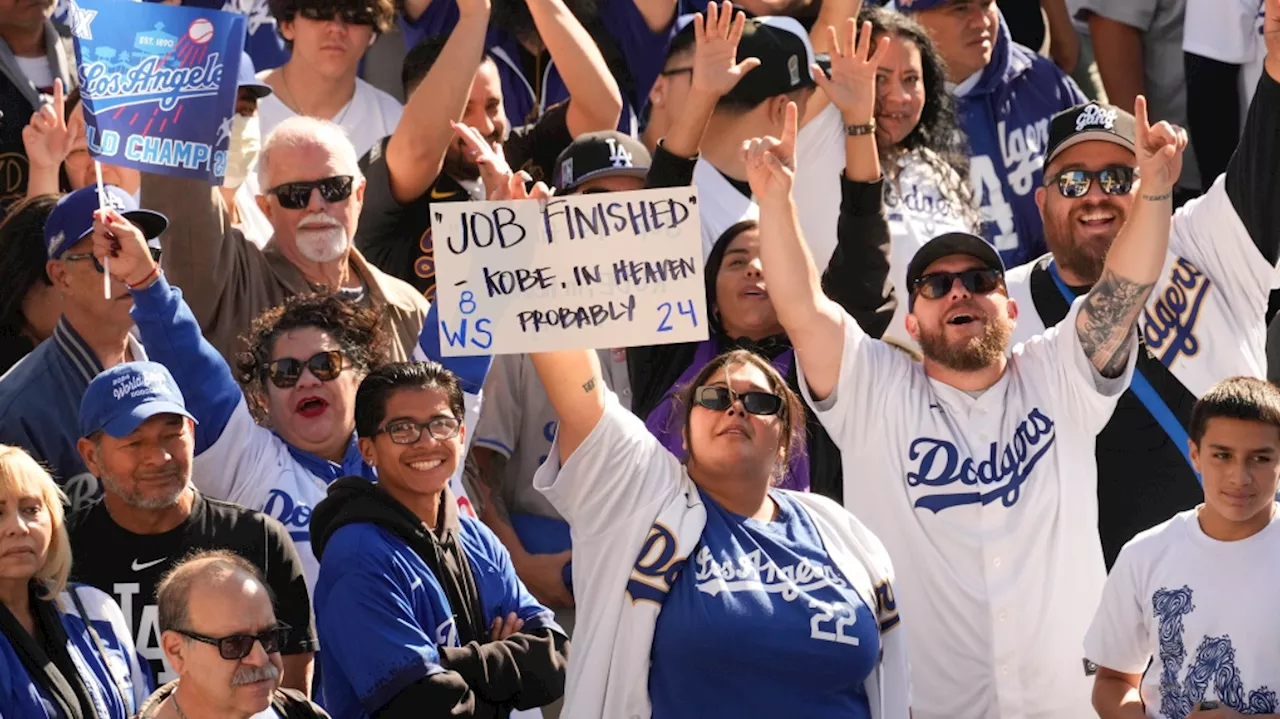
x: 301, y: 131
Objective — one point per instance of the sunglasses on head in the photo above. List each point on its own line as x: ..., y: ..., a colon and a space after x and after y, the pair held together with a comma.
x: 286, y: 371
x: 1074, y: 184
x: 720, y: 399
x: 407, y: 431
x: 351, y: 16
x: 297, y: 195
x: 81, y: 256
x: 238, y: 646
x: 936, y: 285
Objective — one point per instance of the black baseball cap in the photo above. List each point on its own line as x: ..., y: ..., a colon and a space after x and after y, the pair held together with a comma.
x: 1091, y: 121
x: 952, y: 243
x: 785, y: 53
x: 600, y: 154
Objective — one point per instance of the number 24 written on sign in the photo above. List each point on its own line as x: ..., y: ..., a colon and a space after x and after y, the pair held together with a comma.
x: 467, y: 306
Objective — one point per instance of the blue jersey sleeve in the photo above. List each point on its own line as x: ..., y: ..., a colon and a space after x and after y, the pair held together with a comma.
x: 172, y: 337
x: 501, y: 590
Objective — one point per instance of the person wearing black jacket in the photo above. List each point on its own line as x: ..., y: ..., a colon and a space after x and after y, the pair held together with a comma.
x: 420, y: 611
x: 740, y: 313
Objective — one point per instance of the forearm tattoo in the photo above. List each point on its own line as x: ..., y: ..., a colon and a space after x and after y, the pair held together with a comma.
x: 1105, y: 323
x: 590, y: 385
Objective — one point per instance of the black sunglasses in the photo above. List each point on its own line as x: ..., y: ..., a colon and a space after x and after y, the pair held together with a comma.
x: 297, y: 195
x: 936, y: 285
x: 1074, y: 184
x: 80, y: 256
x: 407, y: 431
x: 353, y: 16
x: 286, y: 371
x: 720, y: 399
x: 238, y: 646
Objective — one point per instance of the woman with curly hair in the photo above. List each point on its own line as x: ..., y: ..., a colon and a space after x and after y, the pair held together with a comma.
x: 922, y: 149
x: 306, y: 359
x: 29, y: 305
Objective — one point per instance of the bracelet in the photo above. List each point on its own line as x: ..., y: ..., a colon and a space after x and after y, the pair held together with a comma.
x: 858, y: 130
x: 1158, y: 198
x: 155, y: 272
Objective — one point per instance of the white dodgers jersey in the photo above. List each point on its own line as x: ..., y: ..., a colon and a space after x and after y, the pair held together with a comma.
x: 988, y: 507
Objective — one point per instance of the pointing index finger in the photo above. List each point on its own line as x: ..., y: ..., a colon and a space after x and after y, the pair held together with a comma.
x: 1142, y: 127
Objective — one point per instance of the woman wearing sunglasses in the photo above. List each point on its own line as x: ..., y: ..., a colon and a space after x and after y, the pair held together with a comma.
x: 306, y: 358
x: 680, y: 566
x: 53, y: 663
x: 740, y: 312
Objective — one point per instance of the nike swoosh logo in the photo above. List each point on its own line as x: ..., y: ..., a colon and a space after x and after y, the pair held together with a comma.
x: 145, y: 565
x: 438, y: 195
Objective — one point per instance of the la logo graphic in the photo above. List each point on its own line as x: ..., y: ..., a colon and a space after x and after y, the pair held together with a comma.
x: 618, y: 154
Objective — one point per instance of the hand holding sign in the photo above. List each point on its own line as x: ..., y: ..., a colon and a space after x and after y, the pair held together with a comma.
x: 46, y: 138
x: 494, y: 170
x: 1159, y: 149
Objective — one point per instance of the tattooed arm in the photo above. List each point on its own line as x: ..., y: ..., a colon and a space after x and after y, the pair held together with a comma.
x: 572, y: 381
x: 1107, y: 318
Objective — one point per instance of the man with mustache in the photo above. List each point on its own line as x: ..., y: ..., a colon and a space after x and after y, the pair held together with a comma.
x: 976, y: 468
x: 138, y: 439
x: 1206, y: 318
x: 313, y: 191
x: 33, y: 53
x: 224, y: 641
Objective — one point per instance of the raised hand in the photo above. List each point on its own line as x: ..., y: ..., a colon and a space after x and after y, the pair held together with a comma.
x: 1159, y: 149
x: 715, y: 67
x: 771, y: 162
x: 852, y: 85
x: 117, y: 238
x: 46, y: 138
x: 494, y: 170
x: 515, y: 188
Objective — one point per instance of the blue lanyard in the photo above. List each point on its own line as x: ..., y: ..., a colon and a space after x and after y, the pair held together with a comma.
x: 1143, y: 390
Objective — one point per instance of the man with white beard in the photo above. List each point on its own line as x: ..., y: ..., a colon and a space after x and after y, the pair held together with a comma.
x: 312, y: 194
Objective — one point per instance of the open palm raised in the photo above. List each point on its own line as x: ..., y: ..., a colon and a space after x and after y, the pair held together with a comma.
x: 852, y: 85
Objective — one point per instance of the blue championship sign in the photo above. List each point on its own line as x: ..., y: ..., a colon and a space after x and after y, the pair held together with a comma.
x: 158, y: 83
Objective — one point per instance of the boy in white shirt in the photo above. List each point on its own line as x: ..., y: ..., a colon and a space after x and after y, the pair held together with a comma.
x: 1194, y: 597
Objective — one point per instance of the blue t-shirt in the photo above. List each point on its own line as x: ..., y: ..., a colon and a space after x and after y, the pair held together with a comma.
x: 760, y: 622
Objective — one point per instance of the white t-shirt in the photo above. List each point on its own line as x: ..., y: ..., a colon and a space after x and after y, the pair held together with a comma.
x: 37, y: 71
x: 988, y: 506
x: 1202, y: 611
x: 820, y: 161
x: 1229, y: 31
x: 720, y: 204
x: 370, y: 116
x: 918, y: 210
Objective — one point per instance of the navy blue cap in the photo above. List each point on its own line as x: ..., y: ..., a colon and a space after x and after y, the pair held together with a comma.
x: 123, y: 397
x: 247, y: 78
x: 72, y: 218
x: 910, y: 6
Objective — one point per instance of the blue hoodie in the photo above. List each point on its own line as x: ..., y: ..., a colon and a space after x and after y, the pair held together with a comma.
x: 1006, y: 117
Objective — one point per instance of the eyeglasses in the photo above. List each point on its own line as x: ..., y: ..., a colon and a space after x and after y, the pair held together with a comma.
x: 353, y: 16
x: 238, y: 646
x: 297, y: 195
x: 81, y: 256
x: 936, y: 285
x: 720, y: 399
x: 407, y: 431
x: 286, y: 371
x: 1074, y: 184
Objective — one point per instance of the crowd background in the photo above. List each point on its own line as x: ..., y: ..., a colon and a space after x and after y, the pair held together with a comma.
x: 269, y: 349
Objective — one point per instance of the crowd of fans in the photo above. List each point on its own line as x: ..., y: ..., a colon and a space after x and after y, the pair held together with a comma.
x: 981, y: 429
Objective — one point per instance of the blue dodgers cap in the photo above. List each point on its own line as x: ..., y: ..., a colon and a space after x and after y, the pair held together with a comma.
x: 247, y: 78
x: 72, y: 218
x: 910, y: 6
x: 123, y: 397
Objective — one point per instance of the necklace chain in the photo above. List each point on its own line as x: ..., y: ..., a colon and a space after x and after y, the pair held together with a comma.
x: 177, y: 707
x: 284, y: 78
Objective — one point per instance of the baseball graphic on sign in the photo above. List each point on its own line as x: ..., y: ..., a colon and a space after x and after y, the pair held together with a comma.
x: 201, y: 31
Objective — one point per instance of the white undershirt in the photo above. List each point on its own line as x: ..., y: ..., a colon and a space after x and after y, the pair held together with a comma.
x: 37, y: 71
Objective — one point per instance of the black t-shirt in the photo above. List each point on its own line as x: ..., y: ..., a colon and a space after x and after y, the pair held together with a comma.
x: 128, y: 567
x: 396, y: 238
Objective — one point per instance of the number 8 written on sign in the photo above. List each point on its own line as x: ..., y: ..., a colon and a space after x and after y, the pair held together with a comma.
x: 684, y: 307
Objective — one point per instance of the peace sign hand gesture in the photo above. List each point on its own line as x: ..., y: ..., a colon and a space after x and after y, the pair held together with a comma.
x: 852, y: 85
x: 1159, y: 149
x: 715, y: 67
x: 771, y: 162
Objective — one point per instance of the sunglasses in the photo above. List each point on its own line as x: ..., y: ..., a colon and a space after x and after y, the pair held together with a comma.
x: 286, y: 371
x: 720, y: 399
x: 81, y: 256
x: 936, y: 285
x: 238, y: 646
x: 1074, y: 184
x: 297, y: 195
x: 353, y: 16
x: 407, y: 431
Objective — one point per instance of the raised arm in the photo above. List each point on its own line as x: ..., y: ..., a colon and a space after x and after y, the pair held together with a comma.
x: 47, y: 143
x: 576, y: 389
x: 813, y: 322
x: 415, y: 152
x: 1106, y: 321
x: 597, y: 101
